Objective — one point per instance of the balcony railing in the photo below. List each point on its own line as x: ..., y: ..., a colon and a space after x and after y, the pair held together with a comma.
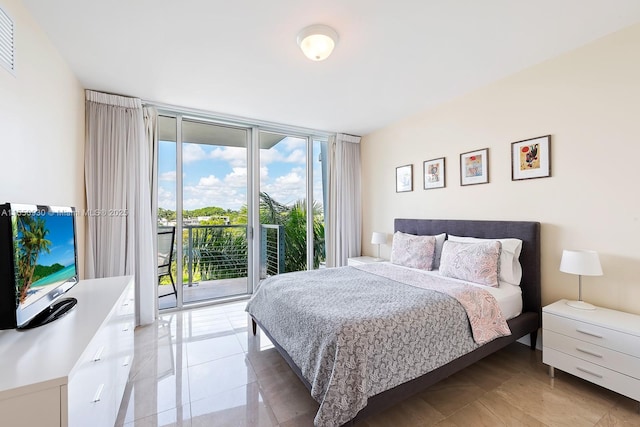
x: 213, y: 252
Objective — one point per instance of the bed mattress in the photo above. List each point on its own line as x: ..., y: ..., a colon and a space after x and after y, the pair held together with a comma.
x: 509, y: 297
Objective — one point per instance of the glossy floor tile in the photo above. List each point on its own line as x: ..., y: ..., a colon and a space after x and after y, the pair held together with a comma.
x: 203, y: 367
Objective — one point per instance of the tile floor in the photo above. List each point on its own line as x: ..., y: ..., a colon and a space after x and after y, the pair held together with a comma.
x: 202, y: 367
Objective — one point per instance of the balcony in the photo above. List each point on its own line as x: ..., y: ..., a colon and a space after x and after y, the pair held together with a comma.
x: 215, y: 261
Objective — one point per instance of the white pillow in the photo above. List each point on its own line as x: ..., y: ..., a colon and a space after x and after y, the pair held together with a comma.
x: 510, y: 268
x: 413, y: 251
x: 473, y: 262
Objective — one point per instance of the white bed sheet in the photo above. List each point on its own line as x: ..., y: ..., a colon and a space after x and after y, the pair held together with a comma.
x: 508, y: 296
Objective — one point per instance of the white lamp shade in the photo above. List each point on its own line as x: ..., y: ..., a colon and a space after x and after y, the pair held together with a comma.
x: 317, y: 41
x: 584, y: 263
x: 378, y: 238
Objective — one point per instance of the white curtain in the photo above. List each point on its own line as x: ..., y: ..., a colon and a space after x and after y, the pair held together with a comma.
x: 118, y: 173
x: 150, y: 116
x: 344, y: 225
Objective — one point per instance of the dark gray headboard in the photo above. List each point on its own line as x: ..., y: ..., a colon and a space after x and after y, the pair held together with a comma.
x: 527, y: 231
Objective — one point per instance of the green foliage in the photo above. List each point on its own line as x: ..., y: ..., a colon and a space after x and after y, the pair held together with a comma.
x: 219, y: 250
x: 167, y: 214
x: 218, y: 253
x: 32, y: 234
x: 294, y: 220
x: 44, y: 270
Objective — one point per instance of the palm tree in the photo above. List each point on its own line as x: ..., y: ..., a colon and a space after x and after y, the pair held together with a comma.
x: 33, y: 241
x: 294, y: 220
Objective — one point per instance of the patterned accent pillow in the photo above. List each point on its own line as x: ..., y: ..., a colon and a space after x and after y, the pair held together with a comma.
x: 413, y: 251
x: 510, y: 268
x: 473, y: 262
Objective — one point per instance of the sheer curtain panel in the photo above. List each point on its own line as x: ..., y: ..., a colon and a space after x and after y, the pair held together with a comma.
x: 344, y: 205
x: 118, y: 174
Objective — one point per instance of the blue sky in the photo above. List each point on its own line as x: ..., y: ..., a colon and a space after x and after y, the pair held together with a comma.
x: 217, y: 175
x: 61, y: 237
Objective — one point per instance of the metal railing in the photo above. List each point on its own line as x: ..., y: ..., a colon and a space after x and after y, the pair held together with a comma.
x: 271, y: 250
x: 213, y: 252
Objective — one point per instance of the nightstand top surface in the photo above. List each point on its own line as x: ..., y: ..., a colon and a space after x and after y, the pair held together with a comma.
x: 605, y: 317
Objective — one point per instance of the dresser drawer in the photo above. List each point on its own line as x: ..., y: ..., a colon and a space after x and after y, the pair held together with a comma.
x: 619, y: 362
x: 583, y: 331
x: 90, y: 389
x: 604, y: 377
x: 96, y: 406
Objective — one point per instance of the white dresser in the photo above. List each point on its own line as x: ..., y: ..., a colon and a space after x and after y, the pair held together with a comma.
x: 73, y: 371
x: 601, y: 346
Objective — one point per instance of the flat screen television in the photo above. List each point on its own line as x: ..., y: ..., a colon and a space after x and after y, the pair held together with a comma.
x: 38, y: 265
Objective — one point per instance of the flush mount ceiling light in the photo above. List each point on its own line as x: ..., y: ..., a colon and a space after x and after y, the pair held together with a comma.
x: 317, y: 41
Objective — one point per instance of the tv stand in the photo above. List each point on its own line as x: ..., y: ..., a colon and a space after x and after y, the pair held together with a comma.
x: 51, y: 313
x: 71, y: 372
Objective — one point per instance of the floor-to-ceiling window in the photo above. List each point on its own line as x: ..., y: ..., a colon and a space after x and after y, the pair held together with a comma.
x: 244, y: 203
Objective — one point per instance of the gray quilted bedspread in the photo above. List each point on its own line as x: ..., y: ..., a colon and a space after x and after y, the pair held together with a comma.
x: 355, y: 334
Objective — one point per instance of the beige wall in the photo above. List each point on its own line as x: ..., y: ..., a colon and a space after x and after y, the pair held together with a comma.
x: 41, y: 123
x: 589, y: 101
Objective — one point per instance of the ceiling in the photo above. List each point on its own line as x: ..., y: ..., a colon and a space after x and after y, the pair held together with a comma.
x: 240, y: 58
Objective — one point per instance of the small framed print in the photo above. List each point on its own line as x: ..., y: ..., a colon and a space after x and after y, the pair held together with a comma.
x: 474, y: 167
x: 531, y: 158
x: 434, y: 174
x: 404, y: 178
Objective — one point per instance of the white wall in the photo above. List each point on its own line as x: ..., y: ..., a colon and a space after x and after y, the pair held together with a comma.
x: 589, y: 101
x: 41, y: 124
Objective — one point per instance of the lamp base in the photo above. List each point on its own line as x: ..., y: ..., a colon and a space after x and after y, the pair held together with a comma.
x: 581, y: 305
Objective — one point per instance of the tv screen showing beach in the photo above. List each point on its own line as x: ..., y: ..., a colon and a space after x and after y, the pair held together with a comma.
x: 45, y: 253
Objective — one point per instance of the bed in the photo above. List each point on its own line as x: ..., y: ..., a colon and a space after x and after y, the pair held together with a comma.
x: 348, y: 388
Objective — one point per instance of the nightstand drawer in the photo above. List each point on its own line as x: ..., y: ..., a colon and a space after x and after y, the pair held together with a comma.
x: 596, y: 354
x: 583, y: 331
x: 604, y: 377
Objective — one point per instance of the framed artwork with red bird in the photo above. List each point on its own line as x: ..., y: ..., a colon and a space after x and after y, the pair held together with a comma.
x: 531, y: 158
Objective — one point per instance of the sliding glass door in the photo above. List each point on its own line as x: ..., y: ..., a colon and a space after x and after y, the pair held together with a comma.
x: 291, y: 204
x: 203, y: 197
x: 236, y: 204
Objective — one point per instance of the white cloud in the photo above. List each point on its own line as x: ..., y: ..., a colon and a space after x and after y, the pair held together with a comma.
x: 167, y: 176
x: 296, y: 156
x: 237, y: 178
x: 192, y: 153
x: 291, y: 143
x: 166, y: 199
x: 287, y: 188
x: 236, y: 156
x: 211, y: 191
x: 207, y: 181
x: 270, y: 156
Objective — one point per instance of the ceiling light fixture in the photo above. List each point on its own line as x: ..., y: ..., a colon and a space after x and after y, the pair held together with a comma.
x: 317, y: 41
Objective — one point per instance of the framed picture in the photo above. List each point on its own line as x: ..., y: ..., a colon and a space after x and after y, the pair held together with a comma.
x: 434, y: 174
x: 531, y: 158
x: 474, y: 167
x: 404, y: 178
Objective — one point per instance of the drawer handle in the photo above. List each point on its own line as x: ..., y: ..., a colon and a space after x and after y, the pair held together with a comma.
x: 98, y: 355
x: 588, y: 372
x: 591, y: 353
x: 98, y: 395
x: 589, y: 333
x: 126, y: 361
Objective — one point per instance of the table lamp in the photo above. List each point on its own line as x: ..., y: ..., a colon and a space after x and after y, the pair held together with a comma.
x: 582, y: 263
x: 378, y: 239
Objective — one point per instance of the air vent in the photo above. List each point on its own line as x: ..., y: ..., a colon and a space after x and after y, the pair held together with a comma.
x: 7, y: 51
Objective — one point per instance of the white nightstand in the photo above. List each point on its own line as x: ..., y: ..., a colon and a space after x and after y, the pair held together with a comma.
x: 359, y: 260
x: 601, y: 346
